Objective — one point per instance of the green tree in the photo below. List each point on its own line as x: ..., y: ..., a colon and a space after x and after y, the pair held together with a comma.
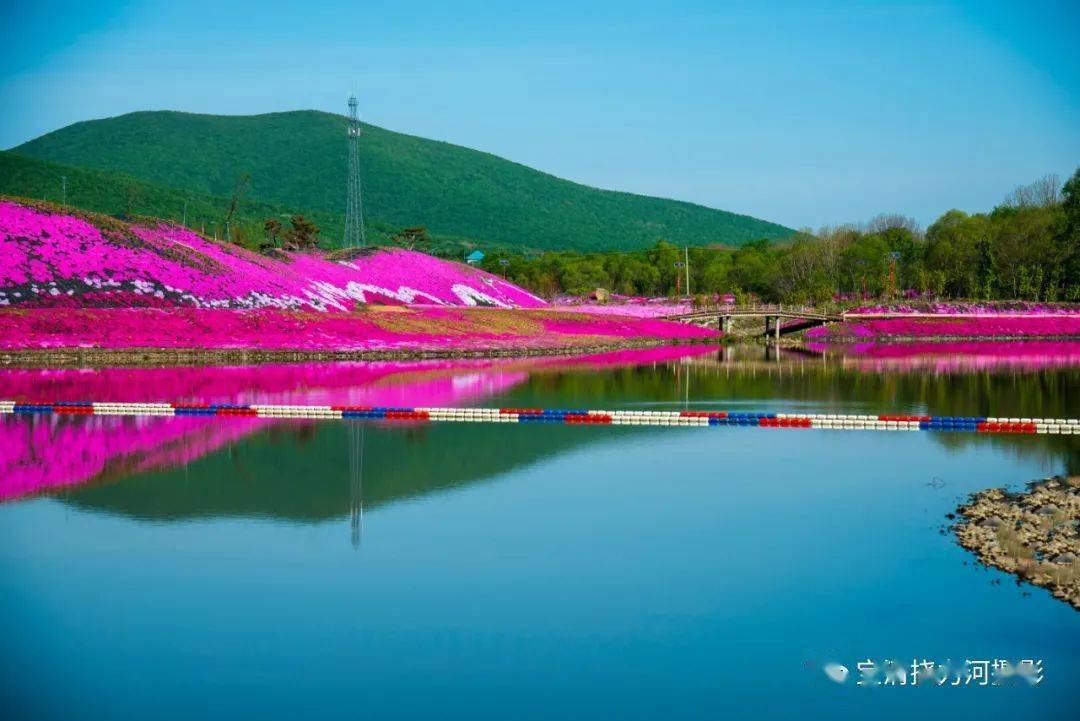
x: 303, y: 235
x: 410, y: 238
x: 1069, y: 239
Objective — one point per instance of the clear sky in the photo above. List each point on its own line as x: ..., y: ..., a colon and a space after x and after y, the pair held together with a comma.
x: 802, y: 113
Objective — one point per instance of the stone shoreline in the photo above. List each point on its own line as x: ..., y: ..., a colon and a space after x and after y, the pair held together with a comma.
x: 1033, y: 534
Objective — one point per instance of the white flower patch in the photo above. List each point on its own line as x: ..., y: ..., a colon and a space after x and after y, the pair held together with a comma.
x: 471, y: 296
x: 359, y: 292
x: 143, y: 286
x: 518, y: 289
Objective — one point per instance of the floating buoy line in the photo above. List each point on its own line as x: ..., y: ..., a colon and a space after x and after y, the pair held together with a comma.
x: 970, y: 424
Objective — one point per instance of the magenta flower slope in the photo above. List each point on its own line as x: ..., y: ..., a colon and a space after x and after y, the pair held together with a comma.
x: 630, y: 309
x: 397, y: 329
x: 991, y: 319
x: 999, y: 325
x: 51, y: 259
x: 966, y: 308
x: 84, y: 280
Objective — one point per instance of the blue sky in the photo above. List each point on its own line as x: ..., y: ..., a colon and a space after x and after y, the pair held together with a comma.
x: 802, y: 113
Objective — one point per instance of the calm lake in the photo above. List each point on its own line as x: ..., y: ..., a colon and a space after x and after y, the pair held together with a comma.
x: 251, y: 568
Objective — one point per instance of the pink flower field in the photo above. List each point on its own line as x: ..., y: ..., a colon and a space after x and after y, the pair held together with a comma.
x: 966, y: 308
x: 90, y: 281
x: 50, y: 259
x: 629, y: 309
x: 422, y: 328
x: 925, y: 325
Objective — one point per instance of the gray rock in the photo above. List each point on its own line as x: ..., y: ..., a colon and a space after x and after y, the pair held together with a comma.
x: 1067, y: 557
x: 992, y: 522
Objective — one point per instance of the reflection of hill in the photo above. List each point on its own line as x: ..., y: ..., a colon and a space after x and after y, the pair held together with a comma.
x: 42, y: 453
x: 302, y: 473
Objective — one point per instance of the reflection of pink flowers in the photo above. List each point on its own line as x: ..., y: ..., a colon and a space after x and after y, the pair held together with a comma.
x: 343, y: 383
x: 66, y: 261
x: 38, y: 453
x: 41, y: 453
x: 957, y: 356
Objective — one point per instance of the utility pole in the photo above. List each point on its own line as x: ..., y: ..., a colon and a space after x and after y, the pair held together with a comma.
x: 238, y: 192
x: 890, y: 286
x: 184, y: 221
x: 63, y: 190
x: 686, y: 262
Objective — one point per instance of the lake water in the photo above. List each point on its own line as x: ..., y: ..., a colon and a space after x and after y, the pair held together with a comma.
x: 247, y: 568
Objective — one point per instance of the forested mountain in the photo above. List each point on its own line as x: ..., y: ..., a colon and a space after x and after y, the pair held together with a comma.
x: 296, y: 160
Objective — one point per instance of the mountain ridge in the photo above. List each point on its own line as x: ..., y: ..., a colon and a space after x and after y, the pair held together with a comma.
x: 296, y: 159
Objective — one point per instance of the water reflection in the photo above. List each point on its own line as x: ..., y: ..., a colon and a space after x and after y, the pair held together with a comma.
x: 43, y: 453
x: 270, y: 462
x: 954, y: 356
x: 549, y: 568
x: 356, y: 485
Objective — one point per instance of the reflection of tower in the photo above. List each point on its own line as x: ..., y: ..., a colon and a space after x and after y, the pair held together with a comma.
x: 354, y: 211
x: 356, y: 480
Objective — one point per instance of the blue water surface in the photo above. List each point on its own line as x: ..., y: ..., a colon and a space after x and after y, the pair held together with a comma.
x: 593, y: 572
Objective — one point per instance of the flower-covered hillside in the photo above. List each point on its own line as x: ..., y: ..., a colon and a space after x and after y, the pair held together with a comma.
x: 378, y: 329
x: 53, y: 259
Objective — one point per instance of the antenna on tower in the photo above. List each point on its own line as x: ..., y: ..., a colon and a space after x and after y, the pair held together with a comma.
x: 354, y: 210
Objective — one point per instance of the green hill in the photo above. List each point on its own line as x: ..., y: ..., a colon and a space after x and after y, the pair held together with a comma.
x: 116, y: 194
x: 296, y: 160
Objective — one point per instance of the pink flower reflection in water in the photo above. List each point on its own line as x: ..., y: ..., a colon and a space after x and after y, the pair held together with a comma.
x: 956, y: 356
x: 42, y: 453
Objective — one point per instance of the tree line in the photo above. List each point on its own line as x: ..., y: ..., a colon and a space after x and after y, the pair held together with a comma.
x: 1026, y: 248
